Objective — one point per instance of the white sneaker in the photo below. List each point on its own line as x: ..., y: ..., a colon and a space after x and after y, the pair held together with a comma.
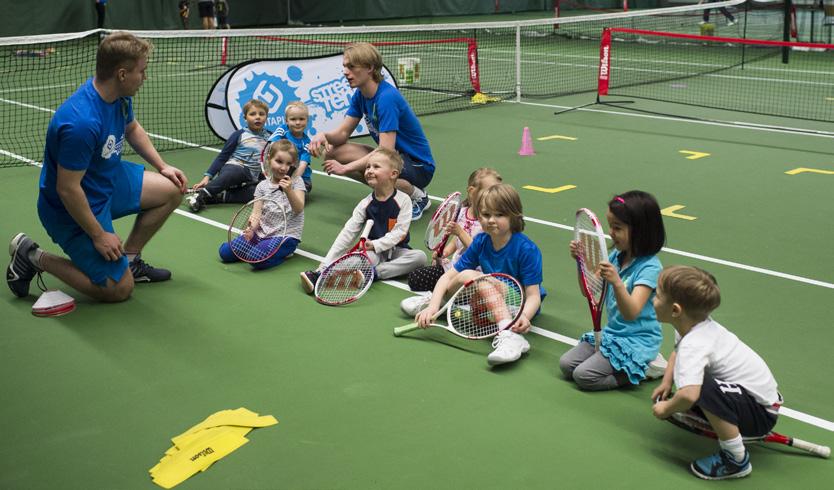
x: 415, y: 304
x: 732, y: 22
x: 657, y: 368
x: 508, y: 347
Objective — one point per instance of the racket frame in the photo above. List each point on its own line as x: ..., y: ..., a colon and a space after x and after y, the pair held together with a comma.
x: 441, y: 211
x: 594, y: 304
x: 447, y: 308
x: 698, y: 425
x: 234, y: 232
x: 357, y: 250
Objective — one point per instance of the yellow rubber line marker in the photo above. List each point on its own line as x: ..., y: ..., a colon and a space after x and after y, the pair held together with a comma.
x: 549, y: 190
x: 557, y: 137
x: 694, y: 155
x: 670, y: 212
x: 811, y: 170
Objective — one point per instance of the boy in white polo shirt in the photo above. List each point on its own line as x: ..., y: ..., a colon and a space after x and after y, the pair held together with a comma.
x: 718, y: 377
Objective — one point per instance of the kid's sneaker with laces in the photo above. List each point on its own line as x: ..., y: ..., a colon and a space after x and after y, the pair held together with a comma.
x: 143, y: 272
x: 657, y: 368
x: 721, y: 466
x: 508, y: 347
x: 308, y: 281
x: 21, y: 269
x: 415, y: 304
x: 195, y: 201
x: 419, y: 206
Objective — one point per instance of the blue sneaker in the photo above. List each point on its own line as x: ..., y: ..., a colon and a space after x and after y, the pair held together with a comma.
x: 21, y: 270
x: 721, y: 466
x: 419, y: 206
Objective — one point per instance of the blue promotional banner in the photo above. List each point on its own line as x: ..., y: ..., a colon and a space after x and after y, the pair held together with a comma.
x: 319, y: 83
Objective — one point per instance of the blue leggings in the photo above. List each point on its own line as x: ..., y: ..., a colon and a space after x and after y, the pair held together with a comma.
x: 285, y: 249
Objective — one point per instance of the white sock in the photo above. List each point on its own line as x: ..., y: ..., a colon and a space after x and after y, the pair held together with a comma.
x: 734, y: 446
x: 417, y: 194
x: 35, y: 257
x: 131, y: 255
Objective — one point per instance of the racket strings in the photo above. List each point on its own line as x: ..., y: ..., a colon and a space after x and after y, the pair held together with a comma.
x: 484, y: 306
x: 590, y: 255
x: 344, y: 280
x: 436, y: 231
x: 258, y: 244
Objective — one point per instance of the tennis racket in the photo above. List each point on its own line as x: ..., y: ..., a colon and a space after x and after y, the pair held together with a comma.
x: 436, y: 234
x: 480, y: 308
x: 349, y: 277
x: 258, y: 228
x: 590, y: 253
x: 697, y: 425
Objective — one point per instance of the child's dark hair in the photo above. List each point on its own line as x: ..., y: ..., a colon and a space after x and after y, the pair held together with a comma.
x: 696, y: 290
x: 640, y: 211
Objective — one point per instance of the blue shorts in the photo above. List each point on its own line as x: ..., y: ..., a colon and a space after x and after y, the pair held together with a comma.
x: 416, y: 173
x: 79, y: 246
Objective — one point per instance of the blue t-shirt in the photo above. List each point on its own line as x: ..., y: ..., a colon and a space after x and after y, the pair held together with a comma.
x: 387, y: 111
x: 86, y: 133
x: 302, y: 145
x: 520, y: 258
x: 631, y: 345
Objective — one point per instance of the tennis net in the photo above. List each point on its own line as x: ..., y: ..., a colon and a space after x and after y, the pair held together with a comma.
x: 458, y: 66
x: 742, y: 75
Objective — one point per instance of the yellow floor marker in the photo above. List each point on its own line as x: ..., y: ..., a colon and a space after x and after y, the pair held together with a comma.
x: 549, y: 190
x: 670, y: 212
x: 694, y: 155
x: 810, y: 170
x: 557, y: 137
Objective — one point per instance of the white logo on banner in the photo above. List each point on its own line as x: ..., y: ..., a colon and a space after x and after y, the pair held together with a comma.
x: 319, y: 83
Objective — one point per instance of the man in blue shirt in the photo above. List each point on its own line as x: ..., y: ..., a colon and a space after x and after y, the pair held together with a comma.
x: 392, y: 125
x: 85, y: 185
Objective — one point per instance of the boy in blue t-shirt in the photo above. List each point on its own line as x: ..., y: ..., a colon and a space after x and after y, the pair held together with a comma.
x: 392, y: 125
x: 294, y: 130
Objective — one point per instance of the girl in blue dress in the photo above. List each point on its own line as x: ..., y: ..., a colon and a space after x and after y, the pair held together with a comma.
x: 630, y: 341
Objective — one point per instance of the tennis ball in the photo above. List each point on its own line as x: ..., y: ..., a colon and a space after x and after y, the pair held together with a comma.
x: 458, y: 314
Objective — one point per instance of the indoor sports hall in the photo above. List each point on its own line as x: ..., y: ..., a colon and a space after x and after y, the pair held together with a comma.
x: 730, y: 127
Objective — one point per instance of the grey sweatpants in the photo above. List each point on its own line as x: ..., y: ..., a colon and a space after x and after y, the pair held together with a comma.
x: 590, y: 369
x: 397, y: 261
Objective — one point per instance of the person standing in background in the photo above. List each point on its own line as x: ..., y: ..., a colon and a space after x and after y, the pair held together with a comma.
x: 101, y: 9
x: 206, y: 10
x: 184, y: 13
x: 221, y: 9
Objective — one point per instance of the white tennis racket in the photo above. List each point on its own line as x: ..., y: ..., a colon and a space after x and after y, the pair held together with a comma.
x: 480, y: 308
x: 590, y: 253
x: 349, y: 277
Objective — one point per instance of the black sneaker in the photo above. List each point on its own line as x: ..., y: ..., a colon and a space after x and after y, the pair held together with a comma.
x: 142, y: 272
x: 308, y: 281
x: 21, y: 270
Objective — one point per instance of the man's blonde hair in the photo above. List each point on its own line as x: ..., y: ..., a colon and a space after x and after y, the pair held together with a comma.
x: 502, y: 199
x: 696, y: 290
x: 120, y: 50
x: 390, y: 157
x: 296, y: 104
x: 366, y: 55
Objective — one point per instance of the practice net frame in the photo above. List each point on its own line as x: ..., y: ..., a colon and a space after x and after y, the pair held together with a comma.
x: 461, y: 66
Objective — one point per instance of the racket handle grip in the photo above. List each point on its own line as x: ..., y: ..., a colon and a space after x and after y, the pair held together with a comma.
x: 596, y: 340
x: 816, y: 449
x: 405, y: 329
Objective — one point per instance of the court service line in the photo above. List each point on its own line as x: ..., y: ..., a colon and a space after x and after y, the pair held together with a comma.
x: 794, y: 414
x: 728, y: 124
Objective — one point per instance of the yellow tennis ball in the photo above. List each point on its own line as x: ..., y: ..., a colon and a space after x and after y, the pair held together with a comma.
x: 458, y: 314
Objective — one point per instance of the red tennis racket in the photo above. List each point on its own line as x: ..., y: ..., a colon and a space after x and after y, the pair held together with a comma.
x: 697, y: 425
x: 447, y: 212
x: 480, y: 308
x: 349, y: 277
x: 591, y: 252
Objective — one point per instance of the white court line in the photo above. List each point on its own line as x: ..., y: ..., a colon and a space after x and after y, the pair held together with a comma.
x: 794, y: 414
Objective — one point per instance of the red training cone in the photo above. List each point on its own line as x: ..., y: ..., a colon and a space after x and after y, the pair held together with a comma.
x: 526, y: 149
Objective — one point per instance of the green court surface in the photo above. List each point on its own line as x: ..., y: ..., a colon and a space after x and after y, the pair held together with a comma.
x: 92, y: 399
